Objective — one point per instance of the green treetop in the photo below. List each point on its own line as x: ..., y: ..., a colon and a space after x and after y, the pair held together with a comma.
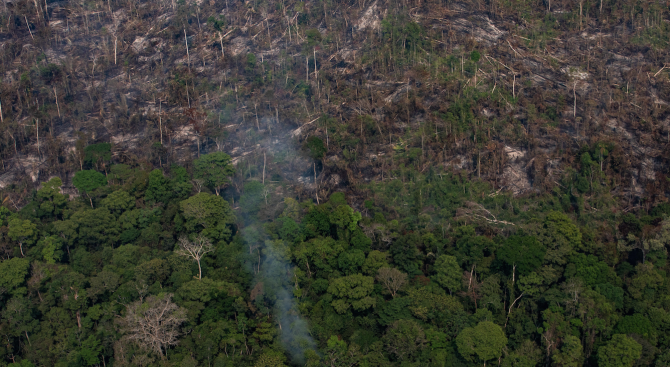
x: 570, y: 354
x: 87, y: 181
x: 118, y: 202
x: 447, y: 272
x: 483, y: 342
x: 620, y: 351
x: 352, y: 291
x: 52, y: 202
x: 521, y: 254
x: 210, y: 213
x: 22, y: 231
x: 13, y: 275
x: 215, y: 169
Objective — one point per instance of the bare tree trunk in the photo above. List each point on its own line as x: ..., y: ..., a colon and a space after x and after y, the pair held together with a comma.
x: 37, y: 133
x: 221, y: 40
x: 258, y: 126
x: 316, y: 185
x: 510, y: 308
x: 28, y: 25
x: 57, y: 105
x: 479, y: 164
x: 160, y: 121
x: 189, y: 99
x: 574, y: 105
x: 37, y: 9
x: 188, y: 56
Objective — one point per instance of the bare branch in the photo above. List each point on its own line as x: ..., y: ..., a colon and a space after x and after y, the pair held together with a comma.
x: 392, y: 278
x: 154, y: 324
x: 477, y: 211
x: 195, y: 249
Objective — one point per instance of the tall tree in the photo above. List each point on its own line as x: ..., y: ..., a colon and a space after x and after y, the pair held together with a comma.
x: 118, y: 202
x: 87, y: 181
x: 392, y: 279
x: 521, y: 254
x: 483, y: 342
x: 209, y: 214
x: 447, y: 273
x: 98, y: 155
x: 620, y: 351
x: 215, y: 169
x: 13, y: 276
x: 352, y: 291
x: 405, y: 339
x: 22, y: 231
x: 52, y: 202
x: 154, y: 323
x: 570, y: 354
x: 159, y: 188
x: 195, y: 249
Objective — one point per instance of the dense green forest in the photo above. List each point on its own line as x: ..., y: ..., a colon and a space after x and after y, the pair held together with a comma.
x: 147, y: 267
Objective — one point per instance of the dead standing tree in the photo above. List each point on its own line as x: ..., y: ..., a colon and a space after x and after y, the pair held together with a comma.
x: 154, y: 324
x: 199, y: 122
x: 195, y: 249
x: 392, y: 279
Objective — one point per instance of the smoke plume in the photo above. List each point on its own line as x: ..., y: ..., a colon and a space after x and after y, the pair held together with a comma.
x: 279, y: 282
